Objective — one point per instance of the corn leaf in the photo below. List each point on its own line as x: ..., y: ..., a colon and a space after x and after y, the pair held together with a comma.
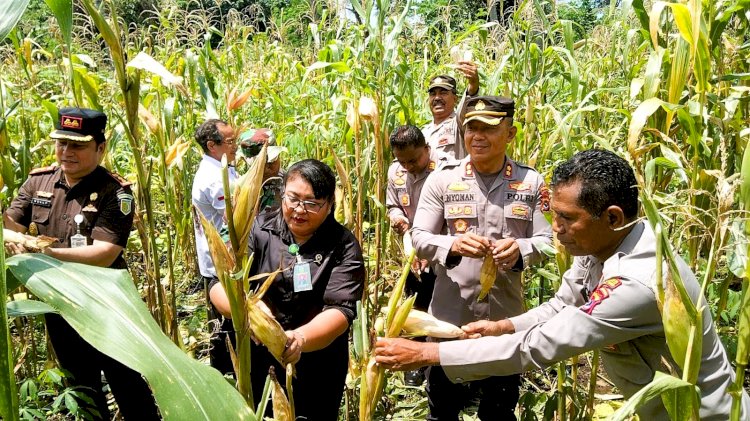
x: 245, y: 200
x: 104, y: 307
x: 8, y: 394
x: 22, y: 308
x: 145, y: 62
x: 12, y: 12
x: 660, y: 385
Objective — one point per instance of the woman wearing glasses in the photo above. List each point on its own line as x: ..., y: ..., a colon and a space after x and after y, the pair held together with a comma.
x: 314, y: 297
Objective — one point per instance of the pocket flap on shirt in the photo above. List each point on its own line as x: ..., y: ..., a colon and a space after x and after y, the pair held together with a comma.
x: 518, y: 211
x: 460, y: 210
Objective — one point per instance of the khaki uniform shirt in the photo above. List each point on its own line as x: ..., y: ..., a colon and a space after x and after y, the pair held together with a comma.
x: 46, y: 204
x: 611, y: 306
x: 454, y: 202
x: 404, y: 189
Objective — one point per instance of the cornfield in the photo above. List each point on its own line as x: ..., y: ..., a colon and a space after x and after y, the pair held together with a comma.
x: 664, y: 84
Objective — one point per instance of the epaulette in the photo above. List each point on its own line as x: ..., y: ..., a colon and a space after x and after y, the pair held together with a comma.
x: 43, y: 170
x: 450, y: 163
x: 123, y: 182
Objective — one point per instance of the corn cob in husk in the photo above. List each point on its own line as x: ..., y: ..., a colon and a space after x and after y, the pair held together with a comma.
x: 263, y: 325
x: 487, y: 276
x: 30, y: 243
x: 420, y: 323
x: 282, y: 410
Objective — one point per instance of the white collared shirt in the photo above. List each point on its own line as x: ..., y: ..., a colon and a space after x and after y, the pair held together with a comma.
x: 208, y: 198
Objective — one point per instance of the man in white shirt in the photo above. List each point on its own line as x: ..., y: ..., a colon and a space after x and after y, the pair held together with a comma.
x: 216, y: 138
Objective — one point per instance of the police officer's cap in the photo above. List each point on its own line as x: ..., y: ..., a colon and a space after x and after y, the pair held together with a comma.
x: 79, y: 125
x: 489, y: 109
x: 442, y: 81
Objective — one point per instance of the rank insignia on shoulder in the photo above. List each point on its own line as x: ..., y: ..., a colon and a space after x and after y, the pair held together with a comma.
x: 431, y: 166
x: 44, y: 194
x: 601, y: 293
x: 460, y: 226
x: 468, y: 170
x: 405, y: 199
x: 508, y: 171
x: 458, y: 186
x: 93, y: 196
x: 126, y: 203
x: 90, y: 208
x: 43, y: 170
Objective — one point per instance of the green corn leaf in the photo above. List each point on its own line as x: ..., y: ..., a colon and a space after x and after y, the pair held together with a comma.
x: 12, y: 12
x: 104, y: 307
x: 8, y: 394
x: 28, y: 308
x: 661, y: 384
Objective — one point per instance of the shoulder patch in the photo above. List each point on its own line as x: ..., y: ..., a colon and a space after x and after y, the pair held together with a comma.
x: 123, y: 182
x: 43, y: 170
x: 600, y: 294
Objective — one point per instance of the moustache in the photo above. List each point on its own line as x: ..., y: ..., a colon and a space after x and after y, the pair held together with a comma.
x: 438, y: 102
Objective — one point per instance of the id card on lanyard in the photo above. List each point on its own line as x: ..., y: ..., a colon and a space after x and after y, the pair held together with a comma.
x: 302, y: 277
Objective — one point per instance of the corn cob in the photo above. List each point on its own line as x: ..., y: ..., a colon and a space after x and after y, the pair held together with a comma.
x: 487, y: 276
x: 32, y: 244
x: 420, y: 323
x: 282, y: 410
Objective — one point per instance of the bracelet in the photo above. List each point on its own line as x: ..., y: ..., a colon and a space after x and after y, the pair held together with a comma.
x: 302, y: 337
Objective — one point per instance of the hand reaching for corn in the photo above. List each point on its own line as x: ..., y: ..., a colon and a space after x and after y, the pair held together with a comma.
x: 17, y: 243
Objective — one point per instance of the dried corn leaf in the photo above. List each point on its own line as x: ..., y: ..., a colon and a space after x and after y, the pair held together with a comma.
x: 487, y: 276
x: 282, y: 410
x: 175, y: 153
x: 263, y: 325
x: 245, y: 200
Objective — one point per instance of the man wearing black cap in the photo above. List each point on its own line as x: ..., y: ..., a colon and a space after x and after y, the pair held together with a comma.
x: 444, y: 134
x: 485, y: 204
x: 79, y: 195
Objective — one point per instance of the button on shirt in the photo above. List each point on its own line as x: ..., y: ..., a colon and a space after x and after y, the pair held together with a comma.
x: 404, y: 188
x: 208, y: 197
x: 454, y: 202
x: 620, y: 317
x: 103, y: 199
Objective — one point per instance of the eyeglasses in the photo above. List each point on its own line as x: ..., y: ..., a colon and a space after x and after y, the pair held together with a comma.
x: 230, y: 142
x: 307, y: 205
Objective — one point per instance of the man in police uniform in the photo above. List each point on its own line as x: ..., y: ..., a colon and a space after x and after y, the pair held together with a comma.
x: 444, y: 133
x: 485, y: 204
x: 48, y: 203
x: 216, y: 138
x: 414, y: 161
x: 607, y: 301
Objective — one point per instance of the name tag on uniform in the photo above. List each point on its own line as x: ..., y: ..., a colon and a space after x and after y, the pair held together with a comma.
x: 38, y: 201
x: 302, y: 278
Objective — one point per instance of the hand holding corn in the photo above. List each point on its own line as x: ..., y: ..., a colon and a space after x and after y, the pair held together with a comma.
x: 404, y: 354
x: 505, y: 253
x: 481, y: 328
x: 471, y: 245
x: 294, y: 344
x: 17, y: 243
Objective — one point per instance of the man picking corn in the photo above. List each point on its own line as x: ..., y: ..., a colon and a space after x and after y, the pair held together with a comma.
x: 483, y: 208
x: 444, y: 134
x: 89, y: 211
x: 606, y: 301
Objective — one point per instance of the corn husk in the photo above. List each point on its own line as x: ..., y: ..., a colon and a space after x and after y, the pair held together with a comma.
x: 176, y: 152
x: 368, y: 110
x: 370, y: 389
x: 683, y: 342
x: 419, y: 323
x: 264, y: 326
x: 236, y: 100
x: 30, y: 243
x: 245, y: 201
x: 282, y: 410
x: 408, y: 245
x: 487, y: 276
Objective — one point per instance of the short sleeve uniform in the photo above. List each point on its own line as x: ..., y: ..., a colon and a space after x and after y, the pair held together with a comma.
x: 103, y: 199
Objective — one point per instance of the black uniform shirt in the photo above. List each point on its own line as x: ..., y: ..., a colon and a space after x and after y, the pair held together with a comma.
x: 336, y: 268
x: 104, y: 199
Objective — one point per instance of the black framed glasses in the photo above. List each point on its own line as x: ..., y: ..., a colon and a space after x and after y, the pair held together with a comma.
x: 307, y: 205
